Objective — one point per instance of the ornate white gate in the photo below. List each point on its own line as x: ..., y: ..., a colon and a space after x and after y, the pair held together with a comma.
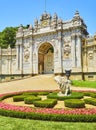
x: 46, y: 58
x: 48, y: 62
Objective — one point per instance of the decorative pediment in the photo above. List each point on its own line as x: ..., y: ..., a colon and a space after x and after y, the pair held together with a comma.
x: 44, y: 23
x: 45, y: 16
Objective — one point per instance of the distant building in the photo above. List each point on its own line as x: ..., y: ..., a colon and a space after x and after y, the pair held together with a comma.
x: 52, y: 46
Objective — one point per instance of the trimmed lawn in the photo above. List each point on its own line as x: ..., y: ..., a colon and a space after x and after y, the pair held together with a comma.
x: 7, y: 123
x: 88, y: 84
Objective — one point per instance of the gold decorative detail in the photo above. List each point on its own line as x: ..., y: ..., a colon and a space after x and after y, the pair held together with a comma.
x: 44, y: 23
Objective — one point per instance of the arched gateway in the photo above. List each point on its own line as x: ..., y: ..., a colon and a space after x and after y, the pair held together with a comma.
x: 53, y: 46
x: 45, y: 58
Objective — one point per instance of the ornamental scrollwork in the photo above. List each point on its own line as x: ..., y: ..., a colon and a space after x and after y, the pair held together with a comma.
x: 26, y: 55
x: 26, y: 52
x: 90, y: 54
x: 46, y: 37
x: 67, y: 50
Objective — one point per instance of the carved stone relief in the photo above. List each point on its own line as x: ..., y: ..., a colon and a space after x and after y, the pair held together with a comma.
x: 90, y: 54
x: 26, y: 52
x: 26, y: 55
x: 44, y: 38
x: 67, y: 48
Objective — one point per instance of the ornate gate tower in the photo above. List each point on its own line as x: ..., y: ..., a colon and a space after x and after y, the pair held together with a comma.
x: 51, y: 46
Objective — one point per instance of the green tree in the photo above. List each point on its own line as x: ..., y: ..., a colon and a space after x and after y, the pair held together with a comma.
x: 7, y: 37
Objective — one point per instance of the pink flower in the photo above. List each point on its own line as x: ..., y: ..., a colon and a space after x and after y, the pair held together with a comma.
x: 81, y: 111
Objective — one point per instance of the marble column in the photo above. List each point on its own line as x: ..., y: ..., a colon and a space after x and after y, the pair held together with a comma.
x: 35, y: 59
x: 55, y: 55
x: 60, y: 67
x: 21, y: 58
x: 73, y: 51
x: 17, y: 57
x: 85, y: 65
x: 79, y: 51
x: 10, y: 63
x: 31, y: 58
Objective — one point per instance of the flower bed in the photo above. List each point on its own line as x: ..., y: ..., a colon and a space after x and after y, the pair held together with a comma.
x: 70, y: 115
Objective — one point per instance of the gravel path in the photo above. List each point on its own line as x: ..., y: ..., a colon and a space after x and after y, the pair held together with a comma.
x: 40, y: 82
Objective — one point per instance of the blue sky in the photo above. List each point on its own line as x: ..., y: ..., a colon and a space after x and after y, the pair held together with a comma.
x: 16, y: 12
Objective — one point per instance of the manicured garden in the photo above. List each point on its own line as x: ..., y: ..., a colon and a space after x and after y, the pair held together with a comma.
x: 75, y: 110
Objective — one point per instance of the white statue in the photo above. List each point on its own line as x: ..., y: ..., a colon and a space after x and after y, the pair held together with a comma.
x: 64, y: 85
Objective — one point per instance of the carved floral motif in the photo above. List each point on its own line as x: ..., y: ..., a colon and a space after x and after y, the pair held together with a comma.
x: 26, y: 55
x: 44, y: 38
x: 26, y: 52
x: 67, y: 49
x: 90, y: 54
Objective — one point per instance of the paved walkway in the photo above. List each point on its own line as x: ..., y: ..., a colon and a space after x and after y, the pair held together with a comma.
x: 41, y: 82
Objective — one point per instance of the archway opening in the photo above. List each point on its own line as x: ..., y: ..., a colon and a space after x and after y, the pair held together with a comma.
x: 46, y: 59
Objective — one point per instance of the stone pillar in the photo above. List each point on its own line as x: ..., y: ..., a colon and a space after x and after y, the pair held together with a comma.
x: 79, y: 51
x: 35, y: 59
x: 31, y: 58
x: 36, y: 63
x: 11, y: 64
x: 17, y: 57
x: 73, y: 51
x: 21, y: 58
x: 10, y: 59
x: 85, y: 66
x: 60, y: 67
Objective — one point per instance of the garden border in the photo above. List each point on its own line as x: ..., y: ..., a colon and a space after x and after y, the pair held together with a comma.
x: 50, y: 114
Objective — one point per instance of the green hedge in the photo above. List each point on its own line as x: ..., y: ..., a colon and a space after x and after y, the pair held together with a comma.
x: 43, y: 93
x: 91, y: 101
x: 74, y: 103
x: 93, y: 95
x: 87, y: 93
x: 30, y: 93
x: 36, y: 93
x: 31, y: 99
x: 9, y: 95
x: 47, y: 103
x: 6, y: 96
x: 49, y: 117
x: 74, y: 95
x: 19, y: 98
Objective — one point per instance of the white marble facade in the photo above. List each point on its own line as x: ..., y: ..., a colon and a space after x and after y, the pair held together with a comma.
x: 52, y: 46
